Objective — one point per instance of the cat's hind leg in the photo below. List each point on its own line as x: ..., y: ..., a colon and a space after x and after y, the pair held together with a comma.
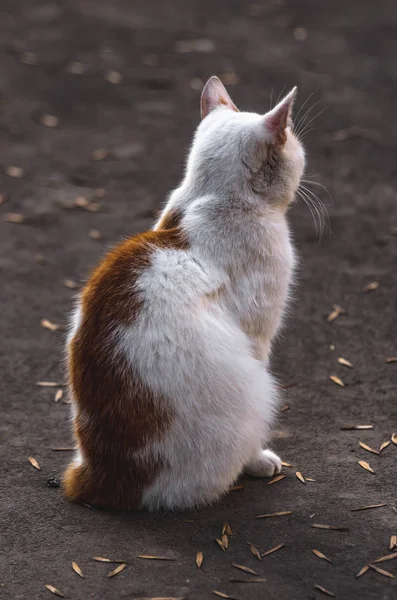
x: 265, y: 464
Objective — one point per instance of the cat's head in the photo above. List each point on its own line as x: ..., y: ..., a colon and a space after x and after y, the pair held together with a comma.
x: 246, y: 152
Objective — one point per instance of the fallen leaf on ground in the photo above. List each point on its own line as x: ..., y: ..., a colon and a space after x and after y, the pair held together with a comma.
x: 255, y: 552
x: 34, y: 463
x: 278, y: 478
x: 391, y: 359
x: 382, y: 571
x: 117, y: 570
x: 394, y: 438
x: 51, y: 326
x: 321, y: 555
x: 385, y: 558
x: 58, y: 396
x: 371, y: 286
x: 12, y: 171
x: 284, y: 408
x: 368, y: 507
x: 223, y: 595
x: 362, y: 571
x: 337, y: 310
x: 236, y: 488
x: 300, y: 476
x: 199, y: 559
x: 49, y: 120
x: 227, y: 529
x: 77, y: 569
x: 225, y: 541
x: 95, y: 234
x: 358, y: 427
x: 368, y: 448
x: 273, y: 550
x: 384, y: 445
x: 248, y: 580
x: 282, y: 513
x: 70, y: 284
x: 366, y: 466
x: 54, y: 590
x: 150, y: 557
x: 337, y: 380
x: 114, y: 77
x: 345, y: 362
x: 393, y: 542
x: 16, y: 218
x: 286, y: 464
x: 245, y: 569
x: 49, y: 384
x: 220, y: 544
x: 322, y: 589
x: 330, y: 527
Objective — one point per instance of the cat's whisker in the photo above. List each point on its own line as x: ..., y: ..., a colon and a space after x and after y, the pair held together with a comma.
x: 304, y: 104
x: 318, y: 205
x: 301, y: 122
x: 317, y: 224
x: 280, y: 95
x: 311, y: 182
x: 271, y: 98
x: 304, y: 129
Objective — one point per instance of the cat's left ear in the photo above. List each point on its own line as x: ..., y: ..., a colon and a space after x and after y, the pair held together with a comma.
x: 280, y: 117
x: 214, y: 95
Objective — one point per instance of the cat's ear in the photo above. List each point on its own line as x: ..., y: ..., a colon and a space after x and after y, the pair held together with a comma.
x: 213, y: 95
x: 280, y: 117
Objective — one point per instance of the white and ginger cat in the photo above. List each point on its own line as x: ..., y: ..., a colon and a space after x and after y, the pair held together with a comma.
x: 169, y: 347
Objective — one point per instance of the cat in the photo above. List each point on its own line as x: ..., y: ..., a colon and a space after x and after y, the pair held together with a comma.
x: 169, y: 347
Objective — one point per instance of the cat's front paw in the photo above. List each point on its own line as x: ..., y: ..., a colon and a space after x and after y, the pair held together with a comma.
x: 266, y: 464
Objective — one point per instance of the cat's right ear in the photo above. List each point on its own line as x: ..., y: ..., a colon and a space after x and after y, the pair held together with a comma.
x: 214, y: 95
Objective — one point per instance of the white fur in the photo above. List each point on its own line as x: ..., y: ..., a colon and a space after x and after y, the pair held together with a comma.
x: 203, y: 336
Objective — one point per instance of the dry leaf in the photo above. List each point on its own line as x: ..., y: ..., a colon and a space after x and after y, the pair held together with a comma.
x: 16, y: 172
x: 114, y: 77
x: 278, y: 478
x: 236, y: 488
x: 321, y: 555
x: 220, y: 544
x: 282, y: 513
x: 225, y: 541
x: 103, y: 559
x: 284, y: 408
x: 255, y: 552
x: 100, y: 154
x: 49, y: 120
x: 222, y: 595
x: 51, y: 326
x: 287, y: 386
x: 368, y: 507
x: 16, y: 218
x: 248, y: 580
x: 330, y: 527
x: 393, y: 542
x: 58, y: 395
x: 332, y: 347
x: 337, y: 380
x: 285, y: 464
x: 337, y: 310
x: 77, y: 569
x: 384, y: 445
x: 273, y: 550
x: 371, y: 286
x: 310, y: 479
x: 382, y: 571
x: 117, y: 570
x: 362, y: 571
x: 34, y: 463
x: 349, y: 427
x: 391, y: 359
x: 245, y: 569
x: 49, y: 384
x: 72, y: 285
x: 226, y: 529
x: 150, y: 557
x: 300, y: 476
x: 385, y: 558
x: 95, y: 234
x: 366, y: 466
x: 346, y: 363
x: 322, y: 589
x: 229, y: 79
x: 54, y: 590
x: 368, y: 448
x: 64, y: 450
x: 394, y: 438
x: 199, y: 559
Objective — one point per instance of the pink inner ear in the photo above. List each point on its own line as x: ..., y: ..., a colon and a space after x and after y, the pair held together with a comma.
x: 277, y: 120
x: 214, y: 95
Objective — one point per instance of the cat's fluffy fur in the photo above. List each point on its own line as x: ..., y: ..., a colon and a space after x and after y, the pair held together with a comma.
x: 169, y: 348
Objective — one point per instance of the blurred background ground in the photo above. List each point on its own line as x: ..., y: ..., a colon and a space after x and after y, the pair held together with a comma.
x: 122, y: 80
